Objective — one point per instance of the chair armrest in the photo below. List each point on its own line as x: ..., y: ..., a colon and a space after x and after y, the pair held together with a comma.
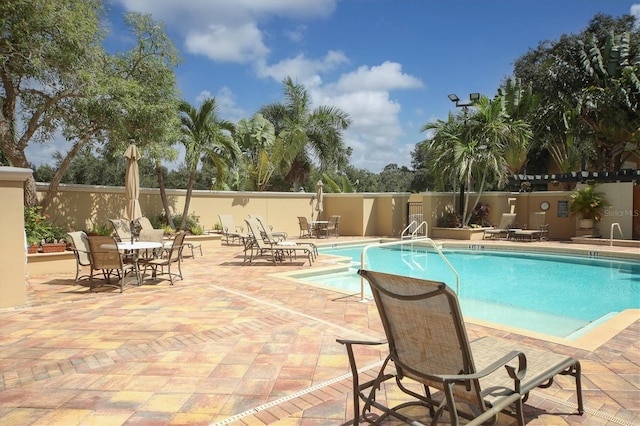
x: 516, y: 375
x: 361, y: 342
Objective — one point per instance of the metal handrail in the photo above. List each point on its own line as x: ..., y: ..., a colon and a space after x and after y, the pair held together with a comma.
x: 400, y: 243
x: 404, y: 235
x: 613, y: 225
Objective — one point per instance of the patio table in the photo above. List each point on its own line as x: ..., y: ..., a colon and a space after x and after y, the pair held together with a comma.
x: 317, y: 226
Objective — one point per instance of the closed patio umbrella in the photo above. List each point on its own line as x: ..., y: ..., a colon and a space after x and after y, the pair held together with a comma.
x: 319, y: 198
x: 132, y: 184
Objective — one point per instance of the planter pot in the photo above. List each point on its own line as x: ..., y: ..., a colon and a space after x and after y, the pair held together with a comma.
x: 586, y: 223
x: 53, y: 247
x: 33, y: 248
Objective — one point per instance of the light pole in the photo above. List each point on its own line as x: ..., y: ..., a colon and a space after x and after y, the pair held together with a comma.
x: 473, y: 97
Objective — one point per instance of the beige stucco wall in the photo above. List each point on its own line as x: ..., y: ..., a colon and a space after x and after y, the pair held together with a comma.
x: 78, y: 207
x: 12, y: 250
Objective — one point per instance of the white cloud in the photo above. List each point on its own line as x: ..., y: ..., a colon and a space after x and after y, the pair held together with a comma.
x: 635, y: 11
x: 301, y: 69
x: 222, y: 43
x: 387, y: 76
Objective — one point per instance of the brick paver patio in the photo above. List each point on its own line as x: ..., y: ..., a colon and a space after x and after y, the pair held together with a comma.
x: 235, y: 345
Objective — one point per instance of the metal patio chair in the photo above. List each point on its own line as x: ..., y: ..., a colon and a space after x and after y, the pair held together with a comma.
x: 428, y: 345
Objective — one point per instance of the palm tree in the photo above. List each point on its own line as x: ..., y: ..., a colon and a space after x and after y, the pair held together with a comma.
x: 472, y: 148
x: 306, y: 133
x: 204, y: 133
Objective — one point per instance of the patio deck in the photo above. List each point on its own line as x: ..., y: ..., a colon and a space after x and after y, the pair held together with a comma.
x: 235, y: 345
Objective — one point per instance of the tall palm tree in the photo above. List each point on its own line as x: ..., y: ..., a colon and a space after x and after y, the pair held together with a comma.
x: 472, y: 148
x: 306, y: 133
x: 205, y: 133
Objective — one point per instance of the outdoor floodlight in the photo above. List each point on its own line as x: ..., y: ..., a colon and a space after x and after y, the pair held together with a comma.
x: 474, y: 96
x: 453, y: 98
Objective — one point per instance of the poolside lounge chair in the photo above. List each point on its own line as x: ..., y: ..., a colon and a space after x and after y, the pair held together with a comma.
x: 231, y: 231
x: 428, y: 344
x: 259, y: 244
x: 106, y: 257
x: 81, y: 251
x: 507, y: 221
x: 537, y: 229
x: 278, y: 235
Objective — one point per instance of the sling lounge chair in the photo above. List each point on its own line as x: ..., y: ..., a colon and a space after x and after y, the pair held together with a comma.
x: 428, y: 344
x: 537, y: 229
x: 277, y: 235
x: 229, y: 229
x: 507, y: 221
x: 261, y: 245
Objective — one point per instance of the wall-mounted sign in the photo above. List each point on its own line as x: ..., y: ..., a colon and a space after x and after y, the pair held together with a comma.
x: 563, y: 209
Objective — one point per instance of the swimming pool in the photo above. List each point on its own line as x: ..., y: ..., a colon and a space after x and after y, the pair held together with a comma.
x: 554, y: 294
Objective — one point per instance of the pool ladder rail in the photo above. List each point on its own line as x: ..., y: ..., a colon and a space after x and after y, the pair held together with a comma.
x: 436, y: 247
x: 412, y: 231
x: 613, y: 226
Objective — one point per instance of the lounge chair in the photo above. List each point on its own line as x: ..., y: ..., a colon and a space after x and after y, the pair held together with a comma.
x: 106, y: 257
x: 277, y: 235
x: 172, y: 257
x: 231, y: 231
x: 81, y: 251
x: 537, y: 229
x: 428, y: 344
x: 507, y: 221
x: 144, y: 223
x: 259, y: 244
x: 305, y: 228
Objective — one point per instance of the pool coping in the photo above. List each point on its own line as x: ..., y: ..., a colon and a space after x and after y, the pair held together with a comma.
x: 590, y: 340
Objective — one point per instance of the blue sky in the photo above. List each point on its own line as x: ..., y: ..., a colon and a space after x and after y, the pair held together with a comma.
x: 389, y: 64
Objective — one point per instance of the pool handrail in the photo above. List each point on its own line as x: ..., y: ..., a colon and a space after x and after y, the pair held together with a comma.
x: 614, y: 225
x: 402, y: 242
x: 412, y: 235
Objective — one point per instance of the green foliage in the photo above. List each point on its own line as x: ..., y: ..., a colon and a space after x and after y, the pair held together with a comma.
x: 38, y: 227
x: 104, y: 229
x: 307, y: 132
x: 449, y: 218
x: 587, y: 203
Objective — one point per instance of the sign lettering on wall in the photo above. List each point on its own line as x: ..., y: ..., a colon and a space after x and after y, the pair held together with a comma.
x: 563, y: 209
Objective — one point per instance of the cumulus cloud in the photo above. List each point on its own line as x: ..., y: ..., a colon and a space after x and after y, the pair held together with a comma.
x: 235, y: 32
x: 635, y: 11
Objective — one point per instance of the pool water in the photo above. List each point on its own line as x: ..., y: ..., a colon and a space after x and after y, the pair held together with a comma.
x: 554, y: 294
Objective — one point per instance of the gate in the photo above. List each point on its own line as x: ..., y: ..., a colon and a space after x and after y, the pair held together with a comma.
x: 414, y: 214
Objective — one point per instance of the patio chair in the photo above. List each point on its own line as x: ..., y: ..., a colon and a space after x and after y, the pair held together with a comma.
x: 172, y: 257
x: 507, y: 221
x: 105, y: 257
x: 305, y: 228
x: 154, y: 235
x: 229, y: 229
x: 81, y: 252
x: 122, y: 229
x: 268, y: 229
x: 333, y: 227
x: 144, y: 223
x: 261, y: 245
x: 428, y: 344
x: 537, y: 229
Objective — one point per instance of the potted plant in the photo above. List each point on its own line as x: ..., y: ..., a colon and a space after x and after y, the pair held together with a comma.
x: 588, y: 204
